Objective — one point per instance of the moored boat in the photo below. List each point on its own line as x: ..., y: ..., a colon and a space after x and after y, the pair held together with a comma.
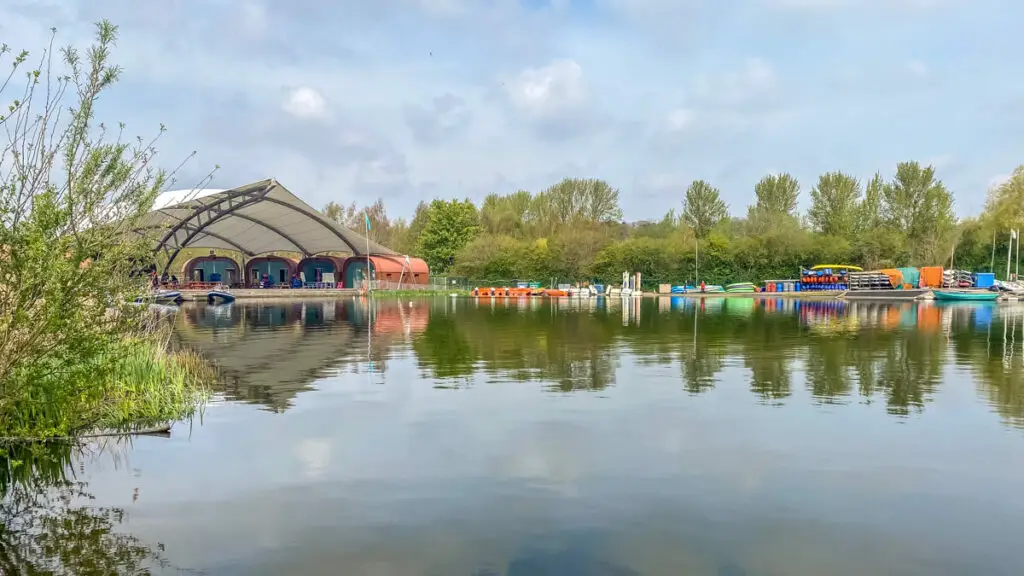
x: 965, y: 295
x: 219, y: 297
x: 884, y: 294
x: 162, y: 297
x: 740, y: 287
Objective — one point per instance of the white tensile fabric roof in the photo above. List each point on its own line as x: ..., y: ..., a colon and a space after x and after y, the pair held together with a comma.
x: 254, y: 219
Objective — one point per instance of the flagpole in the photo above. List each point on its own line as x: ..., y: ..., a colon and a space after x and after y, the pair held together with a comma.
x: 369, y: 282
x: 1009, y: 248
x: 1016, y: 271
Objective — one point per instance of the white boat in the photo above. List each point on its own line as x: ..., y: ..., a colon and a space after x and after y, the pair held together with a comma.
x: 219, y: 295
x: 162, y: 297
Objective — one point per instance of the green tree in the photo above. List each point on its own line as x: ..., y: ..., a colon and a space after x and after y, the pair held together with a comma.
x: 668, y: 225
x: 1004, y: 208
x: 383, y: 230
x: 835, y: 203
x: 450, y: 225
x: 703, y: 208
x: 506, y: 214
x: 407, y: 237
x: 777, y: 194
x: 919, y: 204
x: 870, y: 213
x: 583, y: 200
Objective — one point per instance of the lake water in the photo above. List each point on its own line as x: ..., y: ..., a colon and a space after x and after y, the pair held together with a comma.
x: 524, y: 438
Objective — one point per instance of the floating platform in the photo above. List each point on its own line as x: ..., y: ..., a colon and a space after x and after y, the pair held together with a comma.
x: 276, y: 293
x: 913, y: 294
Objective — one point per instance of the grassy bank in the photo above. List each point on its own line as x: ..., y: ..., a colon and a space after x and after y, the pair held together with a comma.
x: 139, y: 382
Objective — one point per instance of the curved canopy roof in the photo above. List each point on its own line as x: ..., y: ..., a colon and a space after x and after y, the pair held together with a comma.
x: 254, y: 219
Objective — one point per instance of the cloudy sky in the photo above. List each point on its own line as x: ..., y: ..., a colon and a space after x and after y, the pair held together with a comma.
x: 405, y: 100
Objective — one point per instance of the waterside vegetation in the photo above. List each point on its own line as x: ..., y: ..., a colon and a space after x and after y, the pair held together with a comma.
x: 75, y: 353
x: 574, y: 230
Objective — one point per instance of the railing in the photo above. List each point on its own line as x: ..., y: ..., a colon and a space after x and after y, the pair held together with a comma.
x: 392, y: 285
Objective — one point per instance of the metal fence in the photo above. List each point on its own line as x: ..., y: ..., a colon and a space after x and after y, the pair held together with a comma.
x: 433, y: 283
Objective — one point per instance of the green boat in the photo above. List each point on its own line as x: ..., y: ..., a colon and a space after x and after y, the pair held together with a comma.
x: 965, y: 295
x: 740, y: 287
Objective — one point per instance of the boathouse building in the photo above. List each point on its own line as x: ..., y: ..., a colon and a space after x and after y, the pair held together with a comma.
x: 263, y: 235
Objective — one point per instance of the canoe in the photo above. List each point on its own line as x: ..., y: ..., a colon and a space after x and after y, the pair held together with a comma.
x: 740, y: 287
x: 219, y: 297
x: 965, y: 295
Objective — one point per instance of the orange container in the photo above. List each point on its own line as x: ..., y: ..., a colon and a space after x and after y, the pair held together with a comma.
x: 931, y: 277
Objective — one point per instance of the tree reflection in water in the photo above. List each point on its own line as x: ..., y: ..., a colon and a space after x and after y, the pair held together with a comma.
x: 46, y: 527
x: 894, y: 352
x: 838, y: 352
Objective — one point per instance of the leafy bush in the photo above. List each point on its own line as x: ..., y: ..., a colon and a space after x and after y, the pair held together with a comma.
x: 72, y: 193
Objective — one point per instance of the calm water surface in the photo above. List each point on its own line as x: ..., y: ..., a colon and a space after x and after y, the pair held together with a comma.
x: 453, y: 437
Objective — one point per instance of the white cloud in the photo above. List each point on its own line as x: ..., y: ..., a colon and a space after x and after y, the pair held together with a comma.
x: 861, y: 4
x: 755, y: 77
x: 253, y: 19
x: 918, y: 69
x: 549, y: 90
x: 620, y: 90
x: 680, y: 119
x: 810, y: 3
x: 306, y: 103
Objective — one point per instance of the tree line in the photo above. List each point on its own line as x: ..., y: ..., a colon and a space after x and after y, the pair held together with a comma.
x: 574, y: 230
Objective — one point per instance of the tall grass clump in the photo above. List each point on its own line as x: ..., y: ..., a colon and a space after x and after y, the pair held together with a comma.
x: 74, y: 354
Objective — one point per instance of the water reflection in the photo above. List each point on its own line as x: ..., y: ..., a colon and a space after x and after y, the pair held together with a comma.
x: 656, y: 437
x: 838, y: 351
x: 270, y: 351
x: 47, y: 525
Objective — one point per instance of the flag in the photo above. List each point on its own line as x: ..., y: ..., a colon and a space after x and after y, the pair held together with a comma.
x: 367, y: 216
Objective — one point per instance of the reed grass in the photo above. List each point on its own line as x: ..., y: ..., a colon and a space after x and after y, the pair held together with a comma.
x: 140, y: 381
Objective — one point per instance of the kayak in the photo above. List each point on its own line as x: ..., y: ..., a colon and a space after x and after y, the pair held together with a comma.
x: 837, y: 267
x: 740, y: 287
x: 965, y: 295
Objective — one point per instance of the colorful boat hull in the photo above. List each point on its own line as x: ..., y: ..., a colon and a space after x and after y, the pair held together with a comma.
x: 965, y: 295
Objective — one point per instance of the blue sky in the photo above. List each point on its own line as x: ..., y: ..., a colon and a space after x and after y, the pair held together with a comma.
x: 413, y: 99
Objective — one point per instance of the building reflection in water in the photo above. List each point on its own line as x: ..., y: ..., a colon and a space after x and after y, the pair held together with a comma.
x: 268, y: 352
